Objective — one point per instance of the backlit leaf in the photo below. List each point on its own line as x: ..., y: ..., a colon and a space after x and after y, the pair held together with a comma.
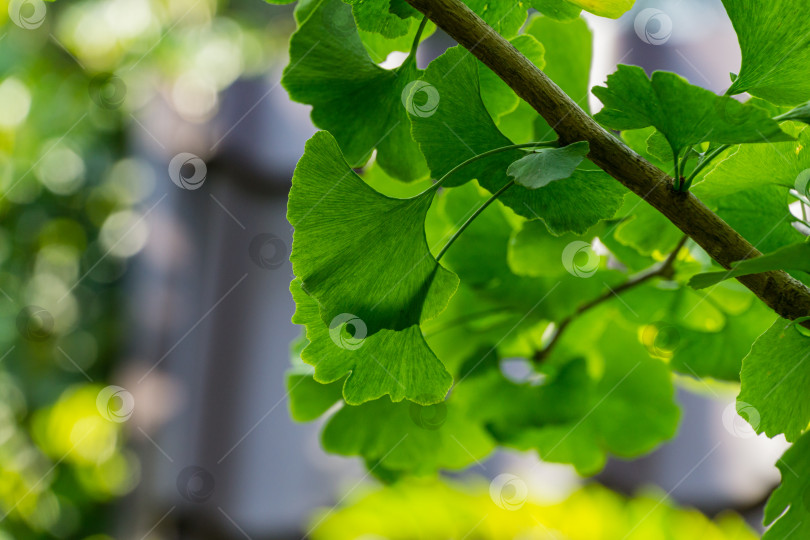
x: 360, y: 103
x: 462, y: 128
x: 775, y: 46
x: 775, y: 378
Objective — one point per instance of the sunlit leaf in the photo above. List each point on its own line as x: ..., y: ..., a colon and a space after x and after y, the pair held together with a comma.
x: 775, y: 377
x: 361, y: 104
x: 790, y: 257
x: 462, y: 128
x: 775, y: 48
x: 397, y: 363
x: 788, y: 509
x: 547, y: 165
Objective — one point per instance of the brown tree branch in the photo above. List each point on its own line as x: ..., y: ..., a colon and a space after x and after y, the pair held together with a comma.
x: 786, y: 296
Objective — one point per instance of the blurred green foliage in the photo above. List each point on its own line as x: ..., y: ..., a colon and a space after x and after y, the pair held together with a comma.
x: 73, y: 77
x: 506, y: 509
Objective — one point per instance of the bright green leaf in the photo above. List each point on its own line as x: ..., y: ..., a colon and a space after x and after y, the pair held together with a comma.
x: 761, y: 215
x: 568, y: 47
x: 788, y: 509
x: 605, y: 8
x: 775, y: 46
x: 406, y: 436
x: 757, y: 165
x: 578, y: 416
x: 498, y: 98
x: 683, y: 113
x: 310, y: 399
x: 775, y: 378
x: 360, y: 252
x: 557, y: 9
x: 363, y: 105
x: 397, y: 363
x: 375, y: 16
x: 791, y: 257
x: 462, y: 128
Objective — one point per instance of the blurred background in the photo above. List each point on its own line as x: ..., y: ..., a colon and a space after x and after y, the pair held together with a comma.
x: 146, y: 150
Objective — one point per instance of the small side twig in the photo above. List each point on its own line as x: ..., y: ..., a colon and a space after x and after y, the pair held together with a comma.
x: 664, y: 270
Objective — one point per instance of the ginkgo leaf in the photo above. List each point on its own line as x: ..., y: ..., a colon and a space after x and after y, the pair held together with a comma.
x: 790, y: 257
x: 557, y: 9
x: 774, y: 381
x: 718, y: 354
x: 363, y: 105
x: 506, y: 18
x: 605, y: 8
x: 379, y: 47
x: 360, y: 252
x: 578, y: 416
x: 462, y: 128
x: 397, y: 363
x: 547, y: 165
x: 788, y: 509
x: 646, y: 230
x: 376, y: 16
x: 498, y: 98
x: 683, y: 113
x: 408, y: 437
x: 308, y: 398
x: 775, y: 48
x: 761, y: 215
x: 758, y: 165
x: 568, y: 50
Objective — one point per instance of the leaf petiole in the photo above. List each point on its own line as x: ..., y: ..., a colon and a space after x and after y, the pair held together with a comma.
x: 705, y: 161
x: 472, y: 218
x: 417, y: 38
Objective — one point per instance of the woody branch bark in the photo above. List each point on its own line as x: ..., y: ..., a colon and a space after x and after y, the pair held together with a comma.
x: 786, y: 296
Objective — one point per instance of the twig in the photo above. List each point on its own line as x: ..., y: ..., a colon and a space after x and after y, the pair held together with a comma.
x: 785, y: 295
x: 663, y: 270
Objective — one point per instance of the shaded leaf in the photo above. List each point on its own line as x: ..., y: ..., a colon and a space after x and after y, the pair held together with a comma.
x: 406, y: 436
x: 547, y: 165
x: 580, y: 415
x: 360, y: 252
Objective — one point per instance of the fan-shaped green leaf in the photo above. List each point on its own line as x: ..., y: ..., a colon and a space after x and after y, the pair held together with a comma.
x: 363, y: 105
x: 547, y: 165
x: 788, y: 509
x: 791, y: 257
x: 775, y: 378
x: 397, y: 363
x: 462, y: 128
x: 683, y: 113
x: 406, y: 436
x: 360, y: 252
x: 775, y: 48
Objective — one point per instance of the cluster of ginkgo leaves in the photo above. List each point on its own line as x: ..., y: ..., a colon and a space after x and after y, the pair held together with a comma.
x: 417, y: 289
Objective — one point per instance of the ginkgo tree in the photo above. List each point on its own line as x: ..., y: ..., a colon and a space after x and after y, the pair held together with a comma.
x: 451, y: 217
